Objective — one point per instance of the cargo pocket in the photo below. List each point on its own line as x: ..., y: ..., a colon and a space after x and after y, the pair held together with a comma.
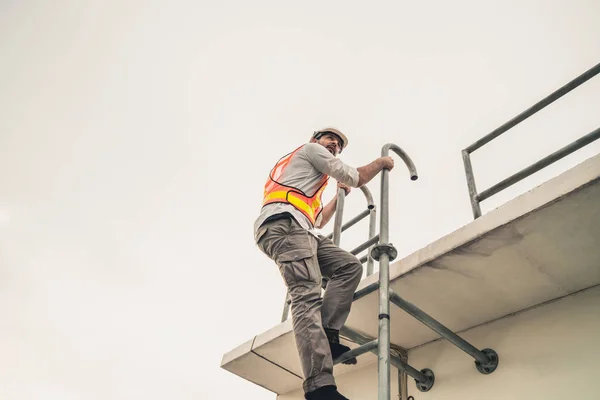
x: 298, y: 265
x: 260, y: 233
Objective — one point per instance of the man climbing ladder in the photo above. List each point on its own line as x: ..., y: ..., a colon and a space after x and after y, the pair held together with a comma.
x: 291, y: 209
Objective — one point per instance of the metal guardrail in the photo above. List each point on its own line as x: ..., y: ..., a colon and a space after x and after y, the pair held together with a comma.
x: 477, y: 198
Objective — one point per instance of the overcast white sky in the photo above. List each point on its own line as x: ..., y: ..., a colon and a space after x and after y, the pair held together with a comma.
x: 135, y: 139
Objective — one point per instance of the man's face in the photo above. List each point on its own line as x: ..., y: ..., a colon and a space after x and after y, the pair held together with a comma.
x: 331, y: 142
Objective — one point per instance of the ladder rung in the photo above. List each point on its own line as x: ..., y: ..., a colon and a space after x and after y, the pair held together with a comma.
x: 353, y: 221
x: 365, y: 245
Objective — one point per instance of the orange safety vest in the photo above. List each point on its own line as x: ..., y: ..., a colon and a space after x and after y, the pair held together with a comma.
x: 276, y: 192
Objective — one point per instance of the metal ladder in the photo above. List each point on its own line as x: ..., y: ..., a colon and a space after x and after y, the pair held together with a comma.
x: 381, y: 250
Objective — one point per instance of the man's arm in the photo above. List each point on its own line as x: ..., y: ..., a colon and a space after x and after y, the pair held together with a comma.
x: 326, y: 163
x: 329, y: 209
x: 369, y: 171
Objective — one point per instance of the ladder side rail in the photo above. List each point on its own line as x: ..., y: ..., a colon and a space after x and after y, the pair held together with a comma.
x: 339, y: 214
x: 382, y: 253
x: 372, y: 226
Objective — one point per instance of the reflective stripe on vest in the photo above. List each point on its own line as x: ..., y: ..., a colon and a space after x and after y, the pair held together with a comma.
x: 276, y: 192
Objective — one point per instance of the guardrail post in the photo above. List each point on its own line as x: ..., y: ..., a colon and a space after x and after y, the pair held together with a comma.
x: 471, y: 184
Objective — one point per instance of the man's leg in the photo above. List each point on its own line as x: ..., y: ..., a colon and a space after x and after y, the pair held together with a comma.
x: 344, y: 272
x: 294, y: 250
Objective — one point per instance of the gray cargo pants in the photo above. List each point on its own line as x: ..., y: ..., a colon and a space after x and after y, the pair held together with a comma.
x: 302, y: 260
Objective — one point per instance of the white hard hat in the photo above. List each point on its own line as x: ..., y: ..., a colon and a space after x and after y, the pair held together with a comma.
x: 336, y: 132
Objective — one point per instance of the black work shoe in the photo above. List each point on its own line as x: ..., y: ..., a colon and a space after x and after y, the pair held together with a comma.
x: 325, y: 393
x: 337, y: 349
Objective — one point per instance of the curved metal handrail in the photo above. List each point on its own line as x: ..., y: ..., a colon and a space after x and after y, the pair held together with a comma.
x: 339, y: 228
x: 385, y: 151
x: 368, y: 196
x: 384, y: 227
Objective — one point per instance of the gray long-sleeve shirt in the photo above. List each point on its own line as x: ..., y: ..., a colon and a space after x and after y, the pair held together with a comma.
x: 304, y: 172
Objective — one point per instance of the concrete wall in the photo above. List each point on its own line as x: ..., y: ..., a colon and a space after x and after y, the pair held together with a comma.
x: 549, y: 352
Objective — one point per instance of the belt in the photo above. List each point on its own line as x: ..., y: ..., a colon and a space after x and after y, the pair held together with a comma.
x: 275, y: 217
